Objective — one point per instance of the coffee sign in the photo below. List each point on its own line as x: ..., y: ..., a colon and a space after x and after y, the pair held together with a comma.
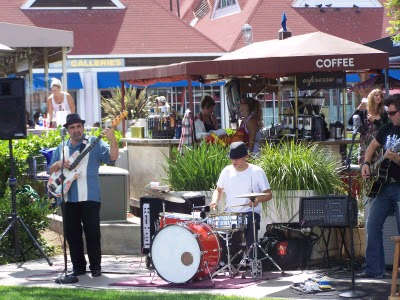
x: 329, y: 63
x: 321, y: 80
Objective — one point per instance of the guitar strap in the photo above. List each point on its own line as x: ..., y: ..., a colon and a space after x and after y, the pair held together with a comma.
x: 82, y: 147
x: 84, y: 143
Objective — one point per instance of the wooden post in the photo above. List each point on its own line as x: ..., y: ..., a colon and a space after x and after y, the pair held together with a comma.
x: 46, y: 70
x: 296, y: 111
x: 190, y: 95
x: 64, y: 69
x: 123, y: 106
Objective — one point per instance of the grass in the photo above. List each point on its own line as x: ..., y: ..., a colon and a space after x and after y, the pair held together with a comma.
x: 28, y: 293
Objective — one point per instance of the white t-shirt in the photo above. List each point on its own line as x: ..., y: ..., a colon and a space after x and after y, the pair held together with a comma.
x: 235, y: 183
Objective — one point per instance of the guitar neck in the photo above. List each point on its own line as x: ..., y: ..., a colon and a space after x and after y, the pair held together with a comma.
x: 84, y: 152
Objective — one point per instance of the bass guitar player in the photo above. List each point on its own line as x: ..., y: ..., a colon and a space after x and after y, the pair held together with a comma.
x: 82, y: 202
x: 386, y: 197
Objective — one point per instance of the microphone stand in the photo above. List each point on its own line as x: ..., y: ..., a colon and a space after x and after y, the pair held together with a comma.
x: 64, y: 278
x: 353, y: 292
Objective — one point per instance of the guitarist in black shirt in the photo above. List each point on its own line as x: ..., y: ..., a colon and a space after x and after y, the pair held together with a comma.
x: 386, y: 196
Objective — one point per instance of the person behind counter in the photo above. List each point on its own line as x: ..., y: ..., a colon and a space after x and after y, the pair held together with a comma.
x: 251, y: 124
x: 59, y: 102
x: 372, y: 116
x: 205, y: 122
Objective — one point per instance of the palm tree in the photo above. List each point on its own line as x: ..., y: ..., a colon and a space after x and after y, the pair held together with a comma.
x: 137, y: 105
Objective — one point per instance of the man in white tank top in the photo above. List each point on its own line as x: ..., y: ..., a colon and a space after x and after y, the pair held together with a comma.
x: 59, y: 104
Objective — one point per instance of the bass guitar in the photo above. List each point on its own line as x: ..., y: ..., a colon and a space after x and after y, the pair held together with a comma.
x: 380, y: 171
x: 60, y: 182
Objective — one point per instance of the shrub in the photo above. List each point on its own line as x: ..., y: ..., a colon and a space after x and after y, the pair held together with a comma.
x: 33, y: 211
x: 29, y: 147
x: 293, y: 166
x: 198, y: 169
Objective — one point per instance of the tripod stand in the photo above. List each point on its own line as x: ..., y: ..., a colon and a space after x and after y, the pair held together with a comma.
x: 14, y: 218
x: 353, y: 292
x: 255, y: 263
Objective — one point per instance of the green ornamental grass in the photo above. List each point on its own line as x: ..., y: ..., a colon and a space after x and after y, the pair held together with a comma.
x: 294, y: 166
x: 198, y: 169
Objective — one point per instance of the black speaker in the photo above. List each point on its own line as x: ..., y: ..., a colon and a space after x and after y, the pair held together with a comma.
x: 12, y: 108
x: 328, y: 211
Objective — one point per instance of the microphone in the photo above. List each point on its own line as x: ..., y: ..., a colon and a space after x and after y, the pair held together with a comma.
x: 63, y: 131
x: 356, y: 123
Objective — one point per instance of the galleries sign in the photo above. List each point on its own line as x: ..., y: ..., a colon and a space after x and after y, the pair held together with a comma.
x: 321, y: 80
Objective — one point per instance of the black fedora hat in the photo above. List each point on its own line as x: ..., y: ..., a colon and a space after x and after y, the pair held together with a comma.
x: 237, y: 150
x: 73, y: 118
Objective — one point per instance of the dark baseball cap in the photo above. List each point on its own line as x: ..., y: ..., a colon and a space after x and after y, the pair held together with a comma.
x: 237, y: 150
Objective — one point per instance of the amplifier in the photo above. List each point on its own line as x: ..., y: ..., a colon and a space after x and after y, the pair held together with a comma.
x: 328, y: 211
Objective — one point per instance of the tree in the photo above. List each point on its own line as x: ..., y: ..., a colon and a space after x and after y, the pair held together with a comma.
x: 393, y: 11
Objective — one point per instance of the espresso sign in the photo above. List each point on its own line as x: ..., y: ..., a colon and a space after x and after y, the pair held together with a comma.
x: 321, y: 80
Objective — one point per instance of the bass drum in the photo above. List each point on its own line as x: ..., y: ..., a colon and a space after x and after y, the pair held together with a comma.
x: 185, y: 251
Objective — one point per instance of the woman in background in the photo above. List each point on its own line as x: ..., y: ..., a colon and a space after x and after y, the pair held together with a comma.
x: 372, y: 116
x: 250, y: 112
x: 205, y: 122
x: 59, y: 101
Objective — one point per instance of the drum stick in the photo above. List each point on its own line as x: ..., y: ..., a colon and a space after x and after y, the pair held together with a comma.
x: 247, y: 204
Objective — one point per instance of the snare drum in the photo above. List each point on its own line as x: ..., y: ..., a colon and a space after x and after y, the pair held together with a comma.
x: 169, y: 218
x: 227, y: 221
x: 185, y: 251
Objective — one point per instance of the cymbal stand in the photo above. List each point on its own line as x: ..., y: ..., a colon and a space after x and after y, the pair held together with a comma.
x: 226, y: 236
x: 255, y: 263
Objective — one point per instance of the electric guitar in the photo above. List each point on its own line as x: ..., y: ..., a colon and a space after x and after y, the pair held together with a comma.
x: 61, y: 182
x: 380, y: 170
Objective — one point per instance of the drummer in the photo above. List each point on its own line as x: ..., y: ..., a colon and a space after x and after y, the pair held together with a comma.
x: 241, y: 178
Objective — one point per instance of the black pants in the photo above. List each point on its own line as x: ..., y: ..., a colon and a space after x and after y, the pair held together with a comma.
x: 249, y: 229
x: 84, y: 215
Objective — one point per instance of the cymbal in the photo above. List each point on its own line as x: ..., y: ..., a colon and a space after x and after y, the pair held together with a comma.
x: 167, y: 196
x: 251, y: 195
x: 172, y: 198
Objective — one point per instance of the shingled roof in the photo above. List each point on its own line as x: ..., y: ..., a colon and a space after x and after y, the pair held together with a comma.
x: 356, y: 24
x: 142, y: 27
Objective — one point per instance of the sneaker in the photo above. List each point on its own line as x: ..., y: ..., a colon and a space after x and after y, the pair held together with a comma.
x: 96, y: 273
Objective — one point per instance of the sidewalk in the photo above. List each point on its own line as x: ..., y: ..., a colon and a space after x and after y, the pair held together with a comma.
x: 123, y: 268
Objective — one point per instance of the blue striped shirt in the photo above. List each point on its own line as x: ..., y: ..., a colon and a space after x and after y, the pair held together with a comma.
x: 87, y: 186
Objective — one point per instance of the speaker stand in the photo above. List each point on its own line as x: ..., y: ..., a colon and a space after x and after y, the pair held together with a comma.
x: 14, y: 218
x: 353, y: 292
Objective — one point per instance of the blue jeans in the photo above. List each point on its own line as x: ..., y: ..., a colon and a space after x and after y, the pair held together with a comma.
x: 381, y: 206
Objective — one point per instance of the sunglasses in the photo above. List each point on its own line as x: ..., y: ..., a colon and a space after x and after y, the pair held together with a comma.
x: 392, y: 113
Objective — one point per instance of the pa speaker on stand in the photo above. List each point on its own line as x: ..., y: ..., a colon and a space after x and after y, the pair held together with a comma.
x: 12, y: 108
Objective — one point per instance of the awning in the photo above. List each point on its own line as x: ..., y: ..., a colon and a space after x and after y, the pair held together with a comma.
x: 73, y: 78
x: 352, y: 77
x: 312, y: 52
x: 395, y: 73
x: 106, y: 80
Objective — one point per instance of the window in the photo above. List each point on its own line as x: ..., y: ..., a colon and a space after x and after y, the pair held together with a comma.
x: 225, y: 3
x: 336, y: 3
x: 72, y: 4
x: 225, y: 8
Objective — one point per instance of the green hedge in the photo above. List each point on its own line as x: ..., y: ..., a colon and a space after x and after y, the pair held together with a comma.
x: 33, y: 210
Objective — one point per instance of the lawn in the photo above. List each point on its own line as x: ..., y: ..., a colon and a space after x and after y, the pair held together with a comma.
x: 27, y: 293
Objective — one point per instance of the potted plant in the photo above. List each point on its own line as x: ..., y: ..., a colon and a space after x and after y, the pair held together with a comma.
x: 197, y: 169
x: 296, y: 170
x: 137, y: 104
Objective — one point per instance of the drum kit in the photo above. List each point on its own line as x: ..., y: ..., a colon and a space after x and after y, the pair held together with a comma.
x: 190, y: 247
